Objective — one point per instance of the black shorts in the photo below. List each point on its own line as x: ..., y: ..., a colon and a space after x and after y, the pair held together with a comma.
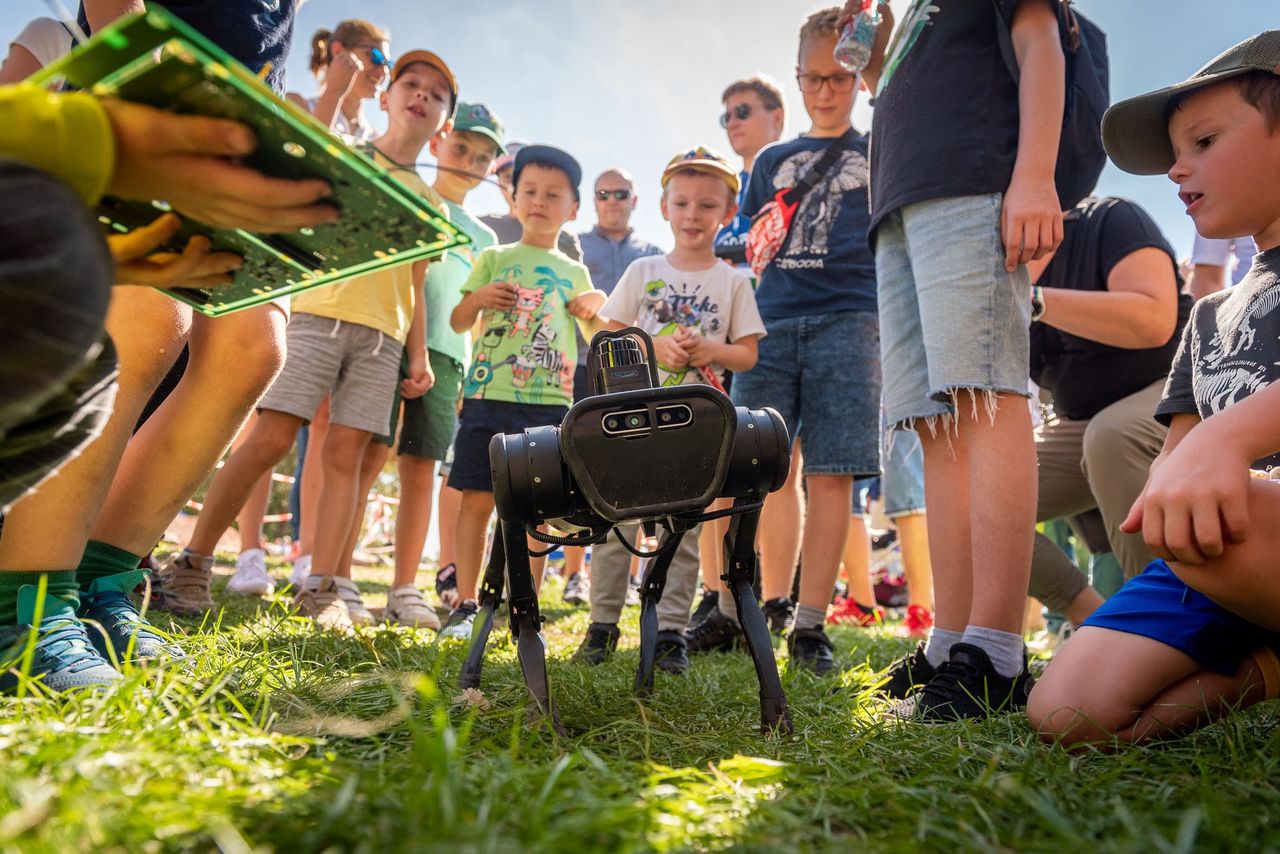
x: 480, y: 420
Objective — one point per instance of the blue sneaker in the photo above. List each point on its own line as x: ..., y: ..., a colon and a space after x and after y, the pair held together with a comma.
x: 107, y: 602
x: 64, y: 658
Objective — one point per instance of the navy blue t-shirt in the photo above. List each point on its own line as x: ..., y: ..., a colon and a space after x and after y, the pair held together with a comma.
x: 825, y: 264
x: 255, y: 32
x: 946, y: 117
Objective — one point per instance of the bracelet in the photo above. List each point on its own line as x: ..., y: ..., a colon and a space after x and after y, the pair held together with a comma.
x: 1037, y: 303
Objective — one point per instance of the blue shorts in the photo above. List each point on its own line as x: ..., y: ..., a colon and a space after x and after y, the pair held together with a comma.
x: 952, y: 318
x: 902, y: 485
x: 479, y: 421
x: 822, y: 373
x: 1157, y: 604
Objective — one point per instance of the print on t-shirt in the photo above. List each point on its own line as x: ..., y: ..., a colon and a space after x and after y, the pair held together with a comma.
x: 905, y: 38
x: 1234, y: 364
x: 527, y: 353
x: 811, y: 228
x: 671, y: 306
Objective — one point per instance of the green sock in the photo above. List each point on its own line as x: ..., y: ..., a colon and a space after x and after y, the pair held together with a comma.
x: 101, y: 560
x: 62, y: 585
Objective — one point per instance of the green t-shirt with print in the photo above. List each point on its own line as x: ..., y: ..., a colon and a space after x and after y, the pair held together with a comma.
x: 444, y: 285
x: 528, y: 353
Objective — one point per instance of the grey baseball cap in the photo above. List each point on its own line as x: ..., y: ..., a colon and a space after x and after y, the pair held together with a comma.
x: 1135, y: 131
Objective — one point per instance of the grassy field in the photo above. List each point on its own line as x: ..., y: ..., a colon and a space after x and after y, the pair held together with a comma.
x: 280, y: 738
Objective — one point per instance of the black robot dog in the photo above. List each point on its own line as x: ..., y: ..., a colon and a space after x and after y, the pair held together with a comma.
x: 633, y: 452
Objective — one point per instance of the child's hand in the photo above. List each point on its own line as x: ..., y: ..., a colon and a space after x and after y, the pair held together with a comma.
x: 585, y: 306
x: 1030, y: 221
x: 670, y: 354
x: 420, y: 379
x: 497, y: 295
x: 700, y: 351
x: 185, y: 160
x: 196, y: 267
x: 1195, y: 500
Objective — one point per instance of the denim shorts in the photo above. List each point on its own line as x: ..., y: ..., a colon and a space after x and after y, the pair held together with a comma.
x: 480, y: 420
x: 952, y: 317
x: 902, y: 484
x: 1159, y: 605
x: 822, y: 374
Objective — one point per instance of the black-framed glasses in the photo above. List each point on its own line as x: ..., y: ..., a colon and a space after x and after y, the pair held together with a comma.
x: 617, y: 195
x: 841, y: 82
x: 376, y: 54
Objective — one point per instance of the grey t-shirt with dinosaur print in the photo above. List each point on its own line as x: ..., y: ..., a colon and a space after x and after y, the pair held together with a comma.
x: 1230, y: 347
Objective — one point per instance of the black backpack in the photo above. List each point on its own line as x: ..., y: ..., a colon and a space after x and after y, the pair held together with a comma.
x: 1088, y: 94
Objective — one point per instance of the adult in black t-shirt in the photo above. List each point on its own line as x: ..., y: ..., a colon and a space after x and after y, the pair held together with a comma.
x: 1112, y: 316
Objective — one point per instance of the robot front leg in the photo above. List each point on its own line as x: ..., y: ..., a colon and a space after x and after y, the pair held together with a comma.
x: 740, y: 574
x: 526, y: 622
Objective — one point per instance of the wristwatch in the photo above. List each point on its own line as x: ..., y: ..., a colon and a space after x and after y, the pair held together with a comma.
x: 1037, y: 303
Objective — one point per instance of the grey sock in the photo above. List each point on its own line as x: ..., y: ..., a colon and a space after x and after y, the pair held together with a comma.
x: 725, y: 605
x: 808, y: 616
x: 938, y: 648
x: 1003, y: 648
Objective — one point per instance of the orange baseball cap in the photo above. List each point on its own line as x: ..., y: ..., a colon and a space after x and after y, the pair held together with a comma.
x: 435, y: 62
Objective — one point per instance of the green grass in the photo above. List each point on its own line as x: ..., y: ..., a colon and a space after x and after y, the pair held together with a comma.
x: 284, y: 739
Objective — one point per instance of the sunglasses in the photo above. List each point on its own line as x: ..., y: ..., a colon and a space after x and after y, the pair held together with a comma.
x: 617, y: 195
x: 742, y: 112
x: 376, y: 54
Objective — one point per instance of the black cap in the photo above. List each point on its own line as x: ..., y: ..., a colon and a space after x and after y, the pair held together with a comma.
x: 551, y: 156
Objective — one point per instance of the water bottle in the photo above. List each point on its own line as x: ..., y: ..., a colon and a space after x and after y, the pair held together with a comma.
x: 853, y: 50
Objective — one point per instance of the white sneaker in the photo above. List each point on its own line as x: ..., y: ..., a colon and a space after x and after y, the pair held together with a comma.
x: 301, y: 571
x: 406, y: 607
x: 251, y: 578
x: 350, y: 594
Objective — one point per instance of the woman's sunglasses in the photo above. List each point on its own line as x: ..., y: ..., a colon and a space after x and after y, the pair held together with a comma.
x: 376, y: 54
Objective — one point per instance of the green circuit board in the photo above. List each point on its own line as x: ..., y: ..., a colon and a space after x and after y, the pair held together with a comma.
x: 155, y: 59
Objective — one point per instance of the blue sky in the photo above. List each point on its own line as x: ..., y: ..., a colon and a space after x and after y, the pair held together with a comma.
x: 631, y: 82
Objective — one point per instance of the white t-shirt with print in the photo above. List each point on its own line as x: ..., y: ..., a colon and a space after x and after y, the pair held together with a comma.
x: 718, y: 303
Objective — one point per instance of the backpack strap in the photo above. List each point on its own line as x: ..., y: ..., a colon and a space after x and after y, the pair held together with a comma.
x: 1068, y: 30
x: 820, y: 167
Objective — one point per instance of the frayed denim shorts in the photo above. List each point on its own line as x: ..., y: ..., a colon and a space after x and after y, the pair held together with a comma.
x: 952, y: 319
x: 822, y: 373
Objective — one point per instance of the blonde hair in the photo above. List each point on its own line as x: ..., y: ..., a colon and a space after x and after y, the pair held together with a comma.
x: 763, y: 85
x: 820, y: 23
x: 350, y: 32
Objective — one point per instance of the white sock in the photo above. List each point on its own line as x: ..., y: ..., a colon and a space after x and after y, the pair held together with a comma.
x: 938, y: 647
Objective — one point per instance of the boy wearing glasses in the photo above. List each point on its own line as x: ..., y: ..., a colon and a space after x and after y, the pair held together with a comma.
x: 963, y: 197
x: 818, y: 302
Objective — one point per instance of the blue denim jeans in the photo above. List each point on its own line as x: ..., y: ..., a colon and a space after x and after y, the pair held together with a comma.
x: 952, y: 318
x: 822, y: 373
x: 902, y: 485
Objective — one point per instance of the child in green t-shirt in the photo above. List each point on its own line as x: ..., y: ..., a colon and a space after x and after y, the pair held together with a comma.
x: 526, y: 295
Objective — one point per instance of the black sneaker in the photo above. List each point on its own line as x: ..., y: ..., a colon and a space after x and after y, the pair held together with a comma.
x: 673, y: 653
x: 779, y: 612
x: 908, y: 675
x: 717, y: 633
x: 811, y: 649
x: 967, y: 686
x: 709, y: 602
x: 600, y: 642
